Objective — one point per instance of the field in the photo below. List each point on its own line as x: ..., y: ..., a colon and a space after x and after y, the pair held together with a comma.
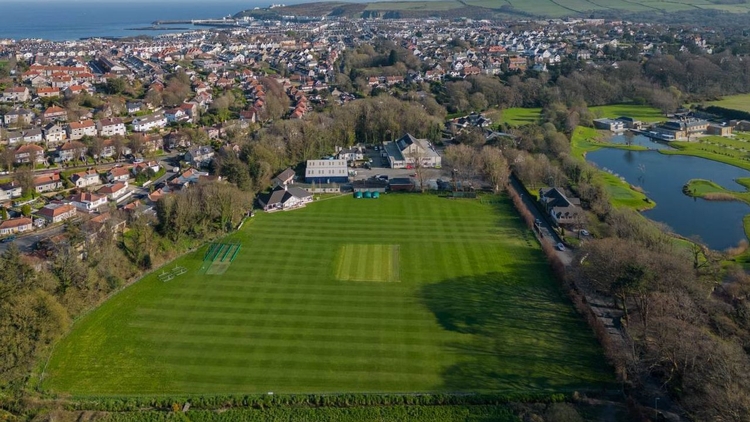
x: 639, y: 112
x: 558, y: 8
x: 475, y: 308
x: 587, y: 139
x: 415, y: 5
x: 734, y: 151
x: 734, y: 102
x: 515, y: 116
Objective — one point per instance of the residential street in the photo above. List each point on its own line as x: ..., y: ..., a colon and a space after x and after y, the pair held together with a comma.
x: 26, y: 242
x: 545, y: 228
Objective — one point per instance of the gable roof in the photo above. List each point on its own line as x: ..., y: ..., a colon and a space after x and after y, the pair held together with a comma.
x: 284, y: 176
x: 119, y: 171
x: 86, y: 197
x: 112, y: 188
x: 46, y: 179
x: 15, y: 222
x: 53, y: 210
x: 404, y: 141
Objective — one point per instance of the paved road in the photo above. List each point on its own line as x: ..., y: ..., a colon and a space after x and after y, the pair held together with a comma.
x: 545, y: 228
x: 26, y: 242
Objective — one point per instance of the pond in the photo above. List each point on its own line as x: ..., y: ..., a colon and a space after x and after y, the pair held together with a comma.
x: 640, y: 140
x: 718, y: 224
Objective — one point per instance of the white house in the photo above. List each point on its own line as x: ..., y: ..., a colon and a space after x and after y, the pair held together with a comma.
x: 114, y: 191
x: 10, y: 190
x: 405, y: 151
x: 77, y: 130
x: 351, y: 154
x: 111, y: 127
x: 285, y: 198
x: 118, y: 174
x: 85, y: 178
x: 87, y: 202
x: 55, y: 213
x: 176, y: 115
x: 17, y: 93
x: 32, y: 135
x: 16, y: 225
x: 54, y: 133
x: 152, y: 121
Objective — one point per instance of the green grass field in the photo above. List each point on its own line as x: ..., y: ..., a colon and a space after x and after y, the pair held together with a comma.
x: 639, y: 112
x: 735, y: 102
x: 415, y: 5
x: 515, y: 116
x: 559, y: 8
x: 733, y: 151
x: 306, y: 306
x: 366, y: 262
x: 586, y: 139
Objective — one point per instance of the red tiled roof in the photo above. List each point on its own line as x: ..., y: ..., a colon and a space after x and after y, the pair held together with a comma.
x: 15, y: 222
x: 46, y: 178
x: 82, y: 124
x: 54, y: 212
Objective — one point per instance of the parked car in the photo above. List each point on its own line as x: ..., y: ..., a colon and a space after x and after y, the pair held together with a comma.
x: 538, y: 222
x: 560, y: 247
x: 8, y: 239
x: 584, y: 232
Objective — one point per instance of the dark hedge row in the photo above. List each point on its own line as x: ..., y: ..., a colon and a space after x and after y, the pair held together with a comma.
x: 304, y: 400
x: 383, y: 414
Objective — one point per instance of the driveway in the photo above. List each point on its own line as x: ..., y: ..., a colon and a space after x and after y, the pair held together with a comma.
x: 544, y: 229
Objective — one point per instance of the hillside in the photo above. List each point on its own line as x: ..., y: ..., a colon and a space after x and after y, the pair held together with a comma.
x: 497, y: 8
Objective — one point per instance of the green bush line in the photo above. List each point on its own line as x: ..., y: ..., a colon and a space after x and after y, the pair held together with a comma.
x: 728, y: 113
x: 396, y: 413
x: 306, y: 400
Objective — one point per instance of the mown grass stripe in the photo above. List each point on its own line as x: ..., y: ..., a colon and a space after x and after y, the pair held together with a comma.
x: 476, y: 310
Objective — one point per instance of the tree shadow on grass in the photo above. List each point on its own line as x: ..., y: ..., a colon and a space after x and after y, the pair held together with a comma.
x: 518, y: 334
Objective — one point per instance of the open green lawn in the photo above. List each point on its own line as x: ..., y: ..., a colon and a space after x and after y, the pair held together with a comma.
x: 475, y: 308
x: 586, y: 139
x: 643, y: 113
x: 708, y: 189
x: 515, y: 116
x: 735, y: 102
x: 733, y: 151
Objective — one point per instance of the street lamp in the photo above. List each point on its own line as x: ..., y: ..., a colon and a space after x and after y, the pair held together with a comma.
x: 656, y: 408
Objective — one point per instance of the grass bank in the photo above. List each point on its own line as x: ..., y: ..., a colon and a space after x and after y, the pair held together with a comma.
x: 734, y: 151
x: 622, y: 194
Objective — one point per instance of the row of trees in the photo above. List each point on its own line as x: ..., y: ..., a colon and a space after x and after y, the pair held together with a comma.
x: 662, y: 81
x: 285, y: 143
